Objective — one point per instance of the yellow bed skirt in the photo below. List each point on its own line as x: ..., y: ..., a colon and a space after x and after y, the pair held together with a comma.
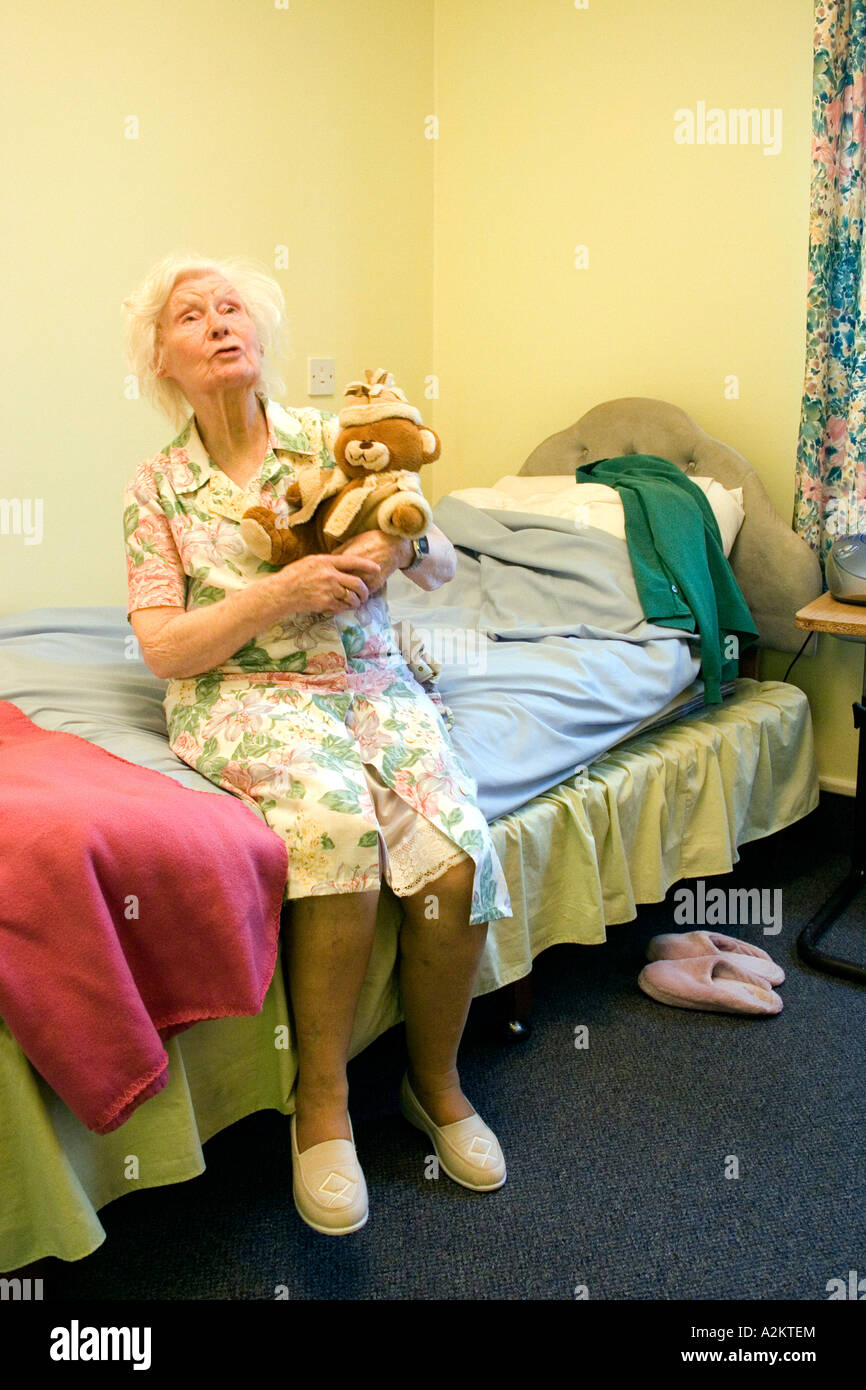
x: 667, y: 805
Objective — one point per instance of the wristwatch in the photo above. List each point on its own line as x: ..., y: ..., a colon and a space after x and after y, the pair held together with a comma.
x: 421, y: 548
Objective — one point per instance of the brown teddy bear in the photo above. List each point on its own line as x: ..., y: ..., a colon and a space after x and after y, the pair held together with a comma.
x: 382, y: 444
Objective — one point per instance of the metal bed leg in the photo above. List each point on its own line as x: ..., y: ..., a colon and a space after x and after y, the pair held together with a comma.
x: 517, y: 1024
x: 850, y: 886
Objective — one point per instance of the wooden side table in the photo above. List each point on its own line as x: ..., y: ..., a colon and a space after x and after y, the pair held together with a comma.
x: 848, y: 622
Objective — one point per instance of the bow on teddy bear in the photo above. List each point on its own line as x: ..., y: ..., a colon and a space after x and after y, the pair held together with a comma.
x: 382, y: 444
x: 379, y: 450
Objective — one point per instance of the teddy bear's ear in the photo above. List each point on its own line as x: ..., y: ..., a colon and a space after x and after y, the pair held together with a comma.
x: 357, y: 388
x: 430, y: 444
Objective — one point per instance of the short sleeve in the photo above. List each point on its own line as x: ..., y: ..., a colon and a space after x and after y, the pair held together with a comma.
x: 154, y: 569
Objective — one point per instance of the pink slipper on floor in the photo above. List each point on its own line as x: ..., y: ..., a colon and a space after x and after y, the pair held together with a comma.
x: 678, y: 945
x: 717, y: 984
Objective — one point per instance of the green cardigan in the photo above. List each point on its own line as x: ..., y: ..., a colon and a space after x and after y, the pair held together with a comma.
x: 682, y: 576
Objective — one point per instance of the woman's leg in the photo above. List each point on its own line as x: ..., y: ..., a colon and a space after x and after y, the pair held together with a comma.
x: 439, y: 958
x: 328, y: 945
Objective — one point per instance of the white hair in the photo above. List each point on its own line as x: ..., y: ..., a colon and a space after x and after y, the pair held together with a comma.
x: 262, y: 297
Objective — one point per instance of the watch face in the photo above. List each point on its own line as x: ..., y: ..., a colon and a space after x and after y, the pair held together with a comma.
x: 420, y: 548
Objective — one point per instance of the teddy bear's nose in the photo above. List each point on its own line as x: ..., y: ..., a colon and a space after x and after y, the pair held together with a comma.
x: 366, y: 443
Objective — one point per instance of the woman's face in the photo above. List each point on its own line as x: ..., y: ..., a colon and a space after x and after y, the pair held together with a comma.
x: 208, y: 342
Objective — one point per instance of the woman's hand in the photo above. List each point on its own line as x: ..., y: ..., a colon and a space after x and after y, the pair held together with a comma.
x: 389, y: 552
x: 329, y: 583
x: 438, y: 567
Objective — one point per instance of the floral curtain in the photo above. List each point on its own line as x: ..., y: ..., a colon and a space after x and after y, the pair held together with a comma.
x: 830, y: 496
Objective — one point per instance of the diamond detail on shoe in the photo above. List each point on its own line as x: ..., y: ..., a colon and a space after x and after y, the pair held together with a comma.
x: 481, y: 1149
x: 336, y: 1187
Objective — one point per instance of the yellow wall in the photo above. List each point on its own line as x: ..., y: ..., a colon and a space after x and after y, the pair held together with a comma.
x: 258, y: 127
x: 450, y: 260
x: 557, y: 131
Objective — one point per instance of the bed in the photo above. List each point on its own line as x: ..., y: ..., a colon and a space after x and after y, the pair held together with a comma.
x: 649, y: 797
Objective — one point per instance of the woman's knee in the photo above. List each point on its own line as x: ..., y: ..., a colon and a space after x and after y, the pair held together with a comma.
x: 458, y: 879
x: 448, y: 895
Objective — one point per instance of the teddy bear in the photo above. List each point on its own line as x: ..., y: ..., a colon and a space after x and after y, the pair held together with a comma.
x: 381, y: 446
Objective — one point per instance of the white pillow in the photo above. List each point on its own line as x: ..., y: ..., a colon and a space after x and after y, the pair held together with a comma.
x: 727, y: 505
x: 592, y: 504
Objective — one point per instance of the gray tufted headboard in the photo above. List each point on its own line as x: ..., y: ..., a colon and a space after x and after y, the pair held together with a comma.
x: 776, y: 570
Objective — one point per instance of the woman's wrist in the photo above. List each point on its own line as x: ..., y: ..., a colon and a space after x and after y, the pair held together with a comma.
x: 438, y: 566
x: 407, y: 555
x: 277, y: 591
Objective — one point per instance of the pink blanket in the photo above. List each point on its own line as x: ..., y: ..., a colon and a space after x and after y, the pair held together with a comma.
x: 130, y: 908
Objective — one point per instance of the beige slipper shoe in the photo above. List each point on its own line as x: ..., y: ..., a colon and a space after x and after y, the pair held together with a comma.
x: 467, y: 1150
x: 328, y: 1184
x: 677, y: 945
x: 713, y: 983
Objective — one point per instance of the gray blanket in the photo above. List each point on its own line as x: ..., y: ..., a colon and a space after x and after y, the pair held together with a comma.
x: 546, y: 658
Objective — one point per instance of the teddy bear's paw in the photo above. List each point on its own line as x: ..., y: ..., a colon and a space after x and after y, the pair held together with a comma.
x: 257, y: 532
x: 405, y: 514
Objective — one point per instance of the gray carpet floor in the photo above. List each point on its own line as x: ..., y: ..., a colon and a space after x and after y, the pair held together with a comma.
x: 680, y: 1155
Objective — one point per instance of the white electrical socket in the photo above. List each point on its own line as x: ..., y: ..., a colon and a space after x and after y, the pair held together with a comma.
x: 320, y: 376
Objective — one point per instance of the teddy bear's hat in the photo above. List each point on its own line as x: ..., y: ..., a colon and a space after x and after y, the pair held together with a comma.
x: 377, y: 398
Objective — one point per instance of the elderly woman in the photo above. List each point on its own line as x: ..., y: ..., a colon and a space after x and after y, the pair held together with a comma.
x: 288, y: 688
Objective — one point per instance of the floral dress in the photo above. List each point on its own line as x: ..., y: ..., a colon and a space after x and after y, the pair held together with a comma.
x: 309, y: 715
